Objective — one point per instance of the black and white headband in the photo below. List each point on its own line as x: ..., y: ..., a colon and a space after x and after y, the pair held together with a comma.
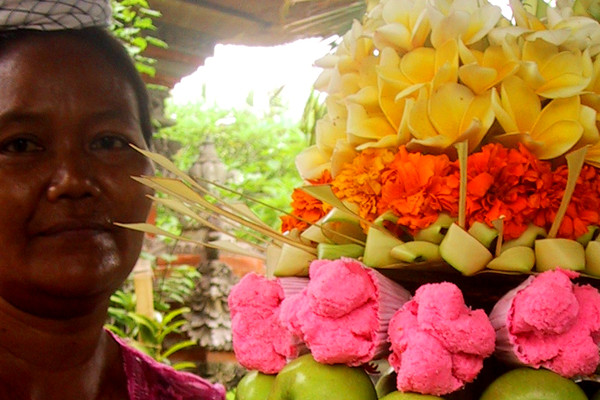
x: 52, y: 15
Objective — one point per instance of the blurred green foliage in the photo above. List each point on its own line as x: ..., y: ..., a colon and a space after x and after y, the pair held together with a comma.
x: 133, y: 21
x: 149, y: 334
x: 258, y: 150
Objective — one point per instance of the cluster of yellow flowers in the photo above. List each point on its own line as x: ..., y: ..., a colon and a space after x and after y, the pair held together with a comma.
x: 430, y: 73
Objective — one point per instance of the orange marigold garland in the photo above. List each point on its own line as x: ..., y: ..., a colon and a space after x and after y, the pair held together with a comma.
x: 583, y: 208
x: 361, y: 181
x: 306, y: 208
x: 418, y: 187
x: 502, y: 182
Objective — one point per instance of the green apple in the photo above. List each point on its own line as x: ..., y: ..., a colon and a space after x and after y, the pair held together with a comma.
x: 518, y: 258
x: 532, y: 384
x: 409, y: 396
x: 416, y: 251
x: 386, y: 383
x: 254, y: 386
x: 435, y: 232
x: 592, y: 258
x: 306, y: 379
x: 463, y: 251
x: 557, y: 252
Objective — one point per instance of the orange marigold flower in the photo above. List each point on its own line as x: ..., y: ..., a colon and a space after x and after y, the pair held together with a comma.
x: 500, y: 181
x: 583, y: 210
x: 514, y: 184
x: 306, y: 209
x: 360, y: 181
x: 418, y: 187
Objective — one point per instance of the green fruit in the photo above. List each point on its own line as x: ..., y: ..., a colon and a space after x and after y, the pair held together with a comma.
x: 409, y: 396
x: 592, y: 258
x: 386, y: 383
x: 533, y: 384
x: 306, y: 379
x: 596, y: 396
x: 254, y: 386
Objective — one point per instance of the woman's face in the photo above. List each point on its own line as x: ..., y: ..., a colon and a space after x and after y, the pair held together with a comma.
x: 66, y: 118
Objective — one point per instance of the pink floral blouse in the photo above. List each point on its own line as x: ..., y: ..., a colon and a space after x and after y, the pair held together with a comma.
x: 148, y: 379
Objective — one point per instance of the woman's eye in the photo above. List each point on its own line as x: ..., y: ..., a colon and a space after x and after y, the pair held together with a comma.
x: 109, y: 143
x: 20, y: 145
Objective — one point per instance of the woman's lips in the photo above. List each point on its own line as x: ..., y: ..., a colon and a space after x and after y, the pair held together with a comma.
x: 74, y: 227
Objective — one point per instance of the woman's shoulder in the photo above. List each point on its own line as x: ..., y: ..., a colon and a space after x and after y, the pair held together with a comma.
x: 148, y: 379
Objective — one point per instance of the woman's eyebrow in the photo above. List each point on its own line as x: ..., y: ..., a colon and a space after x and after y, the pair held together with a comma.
x: 21, y: 116
x: 120, y: 114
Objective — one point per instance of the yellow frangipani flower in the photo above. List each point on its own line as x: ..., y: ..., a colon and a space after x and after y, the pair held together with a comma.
x: 553, y: 73
x: 405, y: 25
x: 583, y: 32
x: 351, y: 68
x: 525, y: 19
x: 332, y: 149
x: 559, y: 28
x: 549, y: 132
x: 589, y: 121
x: 311, y: 162
x: 402, y: 77
x: 590, y: 105
x: 451, y: 114
x: 483, y: 70
x: 469, y: 20
x: 343, y: 153
x: 594, y: 84
x: 363, y: 126
x: 592, y: 156
x: 332, y: 127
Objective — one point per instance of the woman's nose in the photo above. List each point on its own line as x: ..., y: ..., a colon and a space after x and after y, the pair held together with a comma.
x: 73, y: 178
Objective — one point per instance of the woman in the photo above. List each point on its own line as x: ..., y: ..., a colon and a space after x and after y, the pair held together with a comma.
x: 70, y: 105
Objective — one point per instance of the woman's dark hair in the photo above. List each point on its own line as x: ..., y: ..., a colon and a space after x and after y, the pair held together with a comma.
x: 115, y: 54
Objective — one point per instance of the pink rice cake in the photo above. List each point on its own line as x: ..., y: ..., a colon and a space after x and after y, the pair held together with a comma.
x: 259, y: 340
x: 553, y: 323
x: 340, y: 314
x: 438, y: 343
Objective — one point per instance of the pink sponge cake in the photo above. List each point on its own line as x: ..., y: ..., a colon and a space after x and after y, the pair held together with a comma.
x: 438, y: 343
x: 548, y: 321
x: 260, y: 342
x: 342, y: 315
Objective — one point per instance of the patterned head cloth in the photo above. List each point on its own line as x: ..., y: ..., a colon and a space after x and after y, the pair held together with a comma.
x: 52, y: 15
